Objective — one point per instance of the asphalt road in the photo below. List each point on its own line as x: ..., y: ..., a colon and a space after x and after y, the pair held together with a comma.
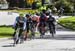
x: 63, y: 41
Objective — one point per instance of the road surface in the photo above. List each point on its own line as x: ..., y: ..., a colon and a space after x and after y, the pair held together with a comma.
x: 63, y: 41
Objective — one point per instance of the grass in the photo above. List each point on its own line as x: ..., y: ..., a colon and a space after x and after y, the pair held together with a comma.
x: 23, y: 11
x: 72, y: 18
x: 68, y: 22
x: 6, y: 32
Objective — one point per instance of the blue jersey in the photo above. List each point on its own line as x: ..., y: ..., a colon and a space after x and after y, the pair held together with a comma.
x: 21, y: 22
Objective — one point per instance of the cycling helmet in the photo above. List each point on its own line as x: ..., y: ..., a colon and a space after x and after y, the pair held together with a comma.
x: 21, y: 14
x: 27, y: 15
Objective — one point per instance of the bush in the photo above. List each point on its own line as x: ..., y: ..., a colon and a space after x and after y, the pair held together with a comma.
x: 66, y: 4
x: 38, y: 5
x: 6, y: 31
x: 68, y: 22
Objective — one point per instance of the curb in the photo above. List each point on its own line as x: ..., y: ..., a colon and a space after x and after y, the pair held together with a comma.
x: 4, y: 39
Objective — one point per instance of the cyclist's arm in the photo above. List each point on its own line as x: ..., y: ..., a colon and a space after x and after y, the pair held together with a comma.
x: 24, y: 27
x: 25, y: 21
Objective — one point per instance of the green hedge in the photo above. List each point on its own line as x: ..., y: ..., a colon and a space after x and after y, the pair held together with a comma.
x: 23, y: 11
x: 67, y: 22
x: 6, y: 32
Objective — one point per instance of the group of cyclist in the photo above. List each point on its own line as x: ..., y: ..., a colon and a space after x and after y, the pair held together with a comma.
x: 42, y: 21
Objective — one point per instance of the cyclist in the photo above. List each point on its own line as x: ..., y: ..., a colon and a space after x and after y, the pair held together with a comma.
x: 20, y: 22
x: 29, y: 26
x: 42, y: 23
x: 51, y: 23
x: 35, y: 19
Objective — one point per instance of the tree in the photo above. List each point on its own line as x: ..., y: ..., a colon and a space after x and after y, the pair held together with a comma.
x: 43, y: 2
x: 21, y: 3
x: 3, y: 2
x: 66, y: 4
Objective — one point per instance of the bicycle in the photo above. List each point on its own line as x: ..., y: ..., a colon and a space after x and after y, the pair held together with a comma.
x: 52, y: 30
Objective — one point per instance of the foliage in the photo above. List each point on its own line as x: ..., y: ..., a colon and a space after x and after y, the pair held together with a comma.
x: 22, y: 11
x: 68, y: 22
x: 38, y: 5
x: 6, y: 31
x: 66, y: 4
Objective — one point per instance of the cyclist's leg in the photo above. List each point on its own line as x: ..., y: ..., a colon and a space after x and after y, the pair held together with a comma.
x: 32, y: 32
x: 22, y: 36
x: 50, y: 29
x: 40, y: 30
x: 15, y: 31
x: 19, y: 36
x: 35, y: 25
x: 45, y: 28
x: 15, y: 37
x: 54, y: 29
x: 20, y: 32
x: 26, y: 33
x: 31, y: 28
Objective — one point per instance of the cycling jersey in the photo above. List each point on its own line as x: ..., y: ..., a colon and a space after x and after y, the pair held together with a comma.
x: 51, y: 20
x: 20, y: 22
x: 29, y: 24
x: 42, y: 20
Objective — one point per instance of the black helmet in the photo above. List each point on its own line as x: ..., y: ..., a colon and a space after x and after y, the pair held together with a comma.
x: 43, y: 11
x: 27, y: 15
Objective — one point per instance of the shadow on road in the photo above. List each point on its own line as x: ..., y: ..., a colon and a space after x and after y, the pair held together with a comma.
x: 65, y: 37
x: 58, y: 37
x: 8, y: 45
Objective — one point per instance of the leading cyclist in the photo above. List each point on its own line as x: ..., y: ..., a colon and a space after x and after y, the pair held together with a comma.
x: 20, y: 22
